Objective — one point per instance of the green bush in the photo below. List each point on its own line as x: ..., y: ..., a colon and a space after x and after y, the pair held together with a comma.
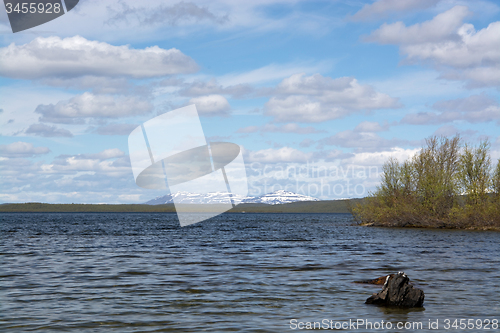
x: 445, y: 185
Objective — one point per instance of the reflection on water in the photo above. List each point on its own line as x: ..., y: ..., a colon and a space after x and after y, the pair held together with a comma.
x: 236, y: 272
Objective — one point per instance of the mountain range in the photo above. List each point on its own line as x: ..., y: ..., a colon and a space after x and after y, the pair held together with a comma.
x: 274, y: 198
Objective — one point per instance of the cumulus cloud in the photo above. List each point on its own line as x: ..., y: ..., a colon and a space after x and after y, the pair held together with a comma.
x: 284, y: 154
x: 77, y: 56
x: 472, y: 103
x: 248, y: 129
x: 89, y: 178
x: 97, y: 84
x: 362, y: 141
x: 111, y: 162
x: 380, y: 157
x: 286, y: 128
x: 456, y: 49
x: 211, y: 105
x: 103, y: 155
x: 428, y: 118
x: 371, y: 126
x: 22, y: 149
x: 317, y: 98
x: 381, y: 8
x: 473, y: 109
x: 439, y: 29
x: 290, y: 128
x: 272, y: 72
x: 116, y: 129
x: 48, y: 131
x: 179, y: 13
x: 198, y: 88
x: 450, y: 130
x: 306, y: 143
x: 74, y: 111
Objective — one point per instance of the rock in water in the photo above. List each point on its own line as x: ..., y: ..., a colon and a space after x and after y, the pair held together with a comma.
x: 397, y: 291
x: 381, y: 280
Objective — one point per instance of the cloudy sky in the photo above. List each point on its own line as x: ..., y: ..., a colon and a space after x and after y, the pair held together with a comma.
x: 319, y: 93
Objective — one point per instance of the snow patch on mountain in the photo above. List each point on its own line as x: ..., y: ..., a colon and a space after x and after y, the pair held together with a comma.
x: 274, y: 198
x: 279, y: 197
x: 195, y: 198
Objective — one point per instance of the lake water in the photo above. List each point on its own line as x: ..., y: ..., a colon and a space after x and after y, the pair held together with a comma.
x: 142, y: 272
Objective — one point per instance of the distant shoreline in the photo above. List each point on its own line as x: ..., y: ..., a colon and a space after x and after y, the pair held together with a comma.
x: 324, y: 206
x: 304, y: 207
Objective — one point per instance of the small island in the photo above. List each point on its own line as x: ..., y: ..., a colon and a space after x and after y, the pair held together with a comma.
x: 447, y: 184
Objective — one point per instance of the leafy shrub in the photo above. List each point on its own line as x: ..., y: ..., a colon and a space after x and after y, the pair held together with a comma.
x: 445, y: 185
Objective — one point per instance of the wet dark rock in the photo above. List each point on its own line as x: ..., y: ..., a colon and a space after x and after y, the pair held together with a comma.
x: 397, y: 291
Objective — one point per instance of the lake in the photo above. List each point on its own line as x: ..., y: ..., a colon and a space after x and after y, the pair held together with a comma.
x: 142, y: 272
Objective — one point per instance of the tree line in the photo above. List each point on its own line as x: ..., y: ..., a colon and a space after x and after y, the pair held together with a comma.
x: 447, y: 184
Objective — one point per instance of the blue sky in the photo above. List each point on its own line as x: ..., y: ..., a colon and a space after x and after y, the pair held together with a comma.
x: 339, y: 86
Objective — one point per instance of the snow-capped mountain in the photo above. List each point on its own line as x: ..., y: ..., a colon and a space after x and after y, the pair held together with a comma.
x: 278, y: 197
x: 194, y: 198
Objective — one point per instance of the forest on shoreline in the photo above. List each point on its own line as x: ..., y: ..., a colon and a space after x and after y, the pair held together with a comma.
x: 447, y: 184
x: 324, y: 206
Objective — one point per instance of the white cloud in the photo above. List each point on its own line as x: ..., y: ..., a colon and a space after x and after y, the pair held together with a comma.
x: 450, y: 130
x: 284, y: 154
x: 441, y: 28
x: 363, y: 141
x: 77, y: 56
x: 317, y: 98
x: 306, y: 143
x: 473, y: 109
x: 379, y: 158
x: 456, y: 49
x: 380, y: 8
x: 19, y: 102
x: 371, y: 126
x: 179, y: 13
x: 211, y: 87
x: 107, y: 162
x: 131, y: 198
x: 98, y: 84
x: 90, y: 105
x: 103, y: 155
x: 22, y: 149
x: 476, y: 77
x: 271, y: 72
x: 312, y: 85
x: 285, y: 128
x: 248, y: 129
x: 418, y: 86
x: 116, y: 129
x: 290, y: 128
x: 48, y: 131
x: 211, y: 105
x: 472, y: 103
x: 152, y: 20
x: 474, y: 49
x: 90, y: 178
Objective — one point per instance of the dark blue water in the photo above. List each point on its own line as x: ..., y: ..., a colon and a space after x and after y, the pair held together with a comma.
x: 134, y: 272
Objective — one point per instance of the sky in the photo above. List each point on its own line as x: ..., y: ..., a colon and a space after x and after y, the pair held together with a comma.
x: 319, y: 94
